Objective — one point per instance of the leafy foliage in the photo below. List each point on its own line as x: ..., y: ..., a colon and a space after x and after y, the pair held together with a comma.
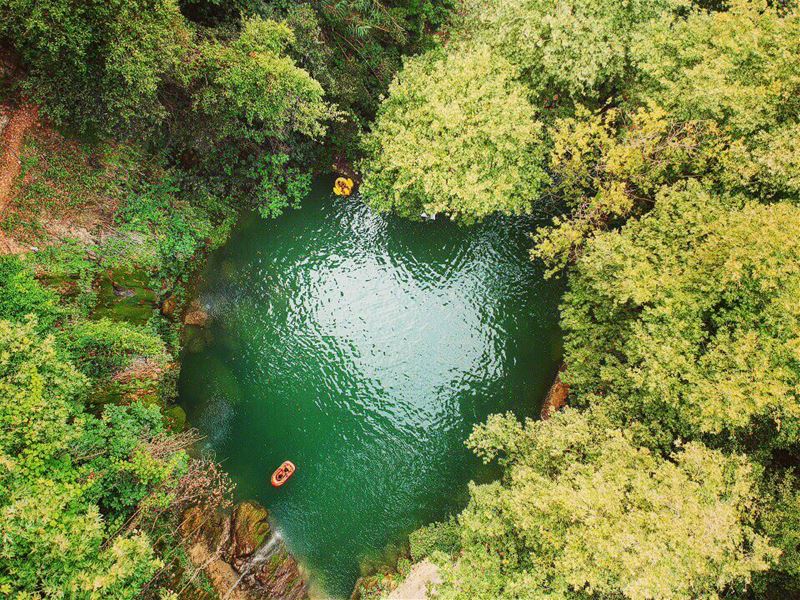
x: 367, y: 39
x: 96, y: 65
x: 281, y: 185
x: 53, y: 531
x: 23, y: 295
x: 607, y: 167
x: 256, y: 91
x: 739, y: 67
x: 475, y: 137
x: 782, y: 524
x: 582, y: 512
x: 574, y: 48
x: 78, y: 492
x: 441, y: 537
x: 103, y: 347
x: 39, y: 398
x: 687, y: 320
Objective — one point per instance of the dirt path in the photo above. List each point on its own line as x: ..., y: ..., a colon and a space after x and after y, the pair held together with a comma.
x: 415, y: 585
x: 18, y: 124
x: 13, y: 134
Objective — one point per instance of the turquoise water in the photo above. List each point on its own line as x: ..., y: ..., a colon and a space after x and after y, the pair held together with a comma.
x: 364, y: 348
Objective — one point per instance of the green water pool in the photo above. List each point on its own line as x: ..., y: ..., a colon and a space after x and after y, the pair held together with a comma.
x: 364, y: 348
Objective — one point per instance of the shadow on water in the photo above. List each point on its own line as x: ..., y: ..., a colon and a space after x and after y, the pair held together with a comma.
x: 364, y: 348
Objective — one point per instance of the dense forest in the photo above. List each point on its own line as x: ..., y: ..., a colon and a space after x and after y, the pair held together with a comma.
x: 658, y: 137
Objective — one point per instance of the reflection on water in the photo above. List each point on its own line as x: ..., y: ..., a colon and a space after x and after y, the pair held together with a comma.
x: 364, y: 349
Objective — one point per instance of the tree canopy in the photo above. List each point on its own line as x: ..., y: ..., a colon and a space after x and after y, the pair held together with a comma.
x: 687, y: 319
x: 68, y: 478
x: 579, y: 49
x: 97, y: 64
x: 474, y: 133
x: 581, y: 511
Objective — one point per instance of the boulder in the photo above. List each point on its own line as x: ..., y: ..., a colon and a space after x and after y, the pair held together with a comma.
x: 278, y: 576
x: 122, y: 292
x: 249, y: 529
x: 557, y: 396
x: 241, y: 559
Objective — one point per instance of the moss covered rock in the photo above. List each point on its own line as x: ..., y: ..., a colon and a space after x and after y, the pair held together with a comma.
x: 249, y: 529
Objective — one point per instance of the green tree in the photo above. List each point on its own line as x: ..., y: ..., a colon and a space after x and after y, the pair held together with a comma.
x: 781, y: 522
x: 574, y: 48
x: 582, y: 512
x: 53, y: 547
x: 39, y: 392
x: 97, y: 65
x: 739, y: 67
x: 607, y: 167
x: 103, y: 347
x: 255, y: 91
x: 457, y: 135
x: 686, y: 321
x: 69, y: 481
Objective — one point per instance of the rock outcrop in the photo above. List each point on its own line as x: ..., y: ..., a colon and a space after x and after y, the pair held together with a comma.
x: 241, y: 555
x: 557, y: 396
x: 249, y: 530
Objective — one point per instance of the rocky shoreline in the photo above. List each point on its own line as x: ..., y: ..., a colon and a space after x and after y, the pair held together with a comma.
x: 237, y: 549
x: 243, y: 558
x: 557, y: 396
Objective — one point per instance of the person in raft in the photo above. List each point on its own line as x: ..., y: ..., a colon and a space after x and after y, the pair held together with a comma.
x: 343, y: 186
x: 283, y: 473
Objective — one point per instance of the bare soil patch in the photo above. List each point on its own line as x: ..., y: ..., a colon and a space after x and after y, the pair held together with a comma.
x: 17, y: 123
x: 415, y: 586
x: 51, y: 188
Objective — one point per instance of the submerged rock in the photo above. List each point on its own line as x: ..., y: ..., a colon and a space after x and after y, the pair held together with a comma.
x: 196, y: 315
x: 371, y: 587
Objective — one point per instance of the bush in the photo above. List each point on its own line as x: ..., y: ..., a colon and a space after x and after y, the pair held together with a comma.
x: 21, y: 295
x: 104, y: 347
x: 436, y: 537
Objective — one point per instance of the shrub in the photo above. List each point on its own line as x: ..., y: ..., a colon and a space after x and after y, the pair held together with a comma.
x: 22, y: 295
x: 436, y: 537
x: 104, y: 347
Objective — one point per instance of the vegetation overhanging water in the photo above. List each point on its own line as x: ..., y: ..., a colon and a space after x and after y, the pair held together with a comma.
x: 364, y: 348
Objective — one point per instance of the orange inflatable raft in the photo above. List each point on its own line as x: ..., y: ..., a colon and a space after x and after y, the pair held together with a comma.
x: 283, y: 473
